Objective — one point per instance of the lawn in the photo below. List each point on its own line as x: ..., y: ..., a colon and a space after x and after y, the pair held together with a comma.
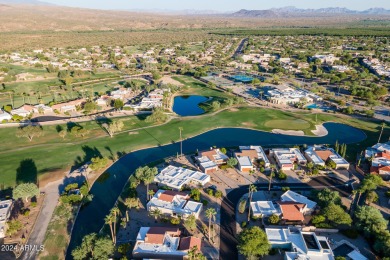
x: 288, y: 124
x: 51, y: 154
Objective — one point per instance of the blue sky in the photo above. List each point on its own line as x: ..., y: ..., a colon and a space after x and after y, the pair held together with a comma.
x: 220, y: 5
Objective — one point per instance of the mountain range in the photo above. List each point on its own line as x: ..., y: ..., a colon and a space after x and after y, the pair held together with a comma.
x: 293, y: 12
x: 25, y: 2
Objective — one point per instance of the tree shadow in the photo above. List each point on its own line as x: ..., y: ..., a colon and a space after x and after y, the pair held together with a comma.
x: 89, y: 153
x: 59, y: 128
x: 27, y: 172
x: 70, y: 125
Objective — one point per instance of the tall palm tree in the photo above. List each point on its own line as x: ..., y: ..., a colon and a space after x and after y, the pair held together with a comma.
x: 151, y: 194
x: 252, y: 188
x: 109, y: 220
x: 181, y: 142
x: 380, y: 135
x: 272, y: 166
x: 115, y: 212
x: 210, y: 214
x: 130, y: 203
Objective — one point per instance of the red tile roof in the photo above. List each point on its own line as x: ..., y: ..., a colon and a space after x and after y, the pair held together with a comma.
x: 186, y: 243
x: 324, y: 155
x: 155, y: 235
x: 168, y: 195
x: 384, y: 154
x: 292, y: 211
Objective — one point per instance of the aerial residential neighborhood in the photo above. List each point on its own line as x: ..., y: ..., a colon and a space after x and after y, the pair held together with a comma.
x: 194, y: 130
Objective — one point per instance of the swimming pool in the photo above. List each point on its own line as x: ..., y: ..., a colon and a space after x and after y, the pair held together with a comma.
x: 242, y: 78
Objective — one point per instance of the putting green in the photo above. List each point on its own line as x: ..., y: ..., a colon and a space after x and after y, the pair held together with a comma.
x: 298, y: 124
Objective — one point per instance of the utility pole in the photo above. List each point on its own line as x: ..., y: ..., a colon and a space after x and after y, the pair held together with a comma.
x: 383, y: 125
x: 181, y: 142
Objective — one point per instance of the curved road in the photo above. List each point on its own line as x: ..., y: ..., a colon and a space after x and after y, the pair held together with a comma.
x: 228, y: 224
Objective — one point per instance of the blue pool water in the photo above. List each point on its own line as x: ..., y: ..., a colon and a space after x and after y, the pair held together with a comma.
x: 323, y: 107
x: 242, y: 78
x: 109, y: 186
x: 188, y: 105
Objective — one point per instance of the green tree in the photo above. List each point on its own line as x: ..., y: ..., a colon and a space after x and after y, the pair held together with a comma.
x: 336, y: 215
x: 215, y: 105
x: 158, y: 116
x: 274, y: 219
x: 98, y: 163
x: 195, y: 194
x: 252, y: 188
x: 210, y: 215
x: 29, y: 132
x: 25, y: 190
x: 113, y: 127
x: 195, y: 254
x: 156, y: 213
x: 190, y: 222
x: 370, y: 220
x: 242, y: 205
x: 231, y: 162
x: 130, y: 203
x: 146, y: 175
x: 372, y: 196
x: 94, y: 247
x: 253, y: 243
x: 118, y: 104
x: 326, y: 197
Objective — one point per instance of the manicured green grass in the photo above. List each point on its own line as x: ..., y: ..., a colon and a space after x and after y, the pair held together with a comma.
x: 51, y: 153
x: 288, y: 124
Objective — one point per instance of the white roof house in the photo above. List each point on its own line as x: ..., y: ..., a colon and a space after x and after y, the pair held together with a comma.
x: 21, y: 111
x: 295, y: 197
x: 312, y: 156
x: 379, y: 147
x: 43, y: 108
x: 163, y: 243
x: 285, y: 157
x: 4, y: 115
x: 301, y: 245
x: 210, y: 159
x: 5, y: 211
x: 263, y: 208
x: 260, y: 153
x: 174, y: 203
x: 177, y: 177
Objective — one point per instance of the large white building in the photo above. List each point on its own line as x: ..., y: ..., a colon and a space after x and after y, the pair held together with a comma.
x: 174, y: 203
x: 5, y: 211
x: 163, y: 243
x: 299, y: 245
x: 176, y: 177
x: 287, y: 95
x: 286, y: 157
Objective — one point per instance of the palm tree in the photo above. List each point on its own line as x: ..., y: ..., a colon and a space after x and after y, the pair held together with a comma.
x: 252, y: 188
x: 155, y: 213
x: 181, y: 141
x: 383, y: 125
x: 130, y: 203
x: 210, y: 214
x: 115, y: 212
x: 272, y: 166
x: 109, y: 220
x: 151, y: 194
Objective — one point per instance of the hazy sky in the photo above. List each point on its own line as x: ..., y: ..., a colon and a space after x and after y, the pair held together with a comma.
x: 221, y: 5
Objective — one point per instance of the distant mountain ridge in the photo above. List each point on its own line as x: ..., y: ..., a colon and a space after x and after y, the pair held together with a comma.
x: 291, y: 11
x: 27, y: 2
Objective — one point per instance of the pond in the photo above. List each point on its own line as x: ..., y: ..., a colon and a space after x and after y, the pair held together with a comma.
x: 109, y: 186
x: 188, y: 105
